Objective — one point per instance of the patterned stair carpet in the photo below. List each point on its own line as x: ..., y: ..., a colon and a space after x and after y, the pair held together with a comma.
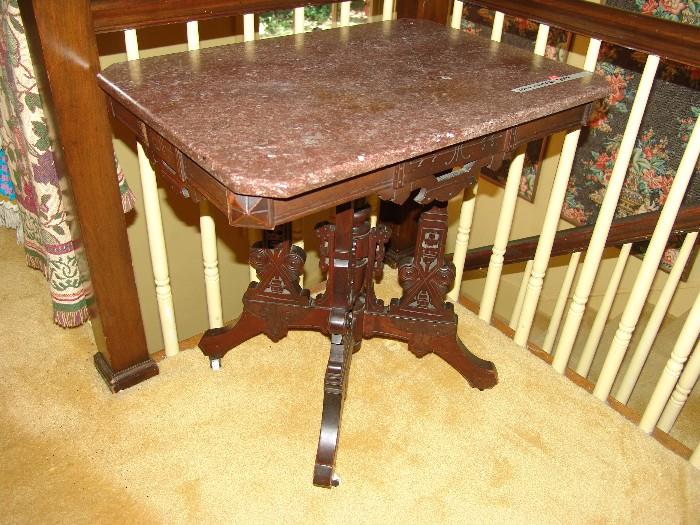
x: 237, y: 446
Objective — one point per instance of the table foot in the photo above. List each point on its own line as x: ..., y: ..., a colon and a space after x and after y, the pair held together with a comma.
x: 478, y: 372
x: 334, y: 388
x: 216, y: 342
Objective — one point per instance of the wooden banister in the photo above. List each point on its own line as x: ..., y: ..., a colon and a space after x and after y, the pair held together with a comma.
x: 636, y: 228
x: 435, y: 10
x: 115, y: 15
x: 671, y: 40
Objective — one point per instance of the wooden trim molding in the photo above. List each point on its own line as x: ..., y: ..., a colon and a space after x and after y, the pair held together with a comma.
x: 632, y: 229
x: 435, y: 10
x: 115, y: 15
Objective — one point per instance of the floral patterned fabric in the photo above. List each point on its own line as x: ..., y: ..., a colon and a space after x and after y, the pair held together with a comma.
x: 9, y: 214
x: 42, y: 197
x: 673, y: 108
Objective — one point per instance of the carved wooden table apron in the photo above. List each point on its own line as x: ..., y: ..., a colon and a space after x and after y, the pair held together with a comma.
x: 272, y: 131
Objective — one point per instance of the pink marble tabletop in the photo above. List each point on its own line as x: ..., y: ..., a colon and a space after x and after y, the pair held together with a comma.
x: 284, y: 116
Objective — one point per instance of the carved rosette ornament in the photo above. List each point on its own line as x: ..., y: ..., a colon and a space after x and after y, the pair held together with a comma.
x: 278, y: 269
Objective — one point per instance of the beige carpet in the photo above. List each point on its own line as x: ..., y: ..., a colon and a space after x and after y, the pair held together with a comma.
x: 237, y: 446
x: 687, y: 426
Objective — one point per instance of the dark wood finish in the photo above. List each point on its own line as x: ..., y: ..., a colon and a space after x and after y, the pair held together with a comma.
x: 402, y: 220
x: 435, y: 10
x: 115, y: 15
x: 352, y: 255
x: 671, y: 40
x: 431, y: 175
x: 350, y: 252
x: 636, y: 228
x: 127, y: 377
x: 65, y: 58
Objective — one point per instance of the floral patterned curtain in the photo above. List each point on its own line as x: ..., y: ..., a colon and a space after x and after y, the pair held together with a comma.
x: 32, y: 189
x: 9, y: 214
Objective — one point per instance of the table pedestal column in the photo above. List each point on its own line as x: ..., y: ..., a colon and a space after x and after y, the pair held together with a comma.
x: 352, y: 256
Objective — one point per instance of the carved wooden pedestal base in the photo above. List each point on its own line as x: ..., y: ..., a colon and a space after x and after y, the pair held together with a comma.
x: 352, y: 255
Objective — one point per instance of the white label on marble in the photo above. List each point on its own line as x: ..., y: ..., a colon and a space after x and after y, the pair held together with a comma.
x: 554, y: 79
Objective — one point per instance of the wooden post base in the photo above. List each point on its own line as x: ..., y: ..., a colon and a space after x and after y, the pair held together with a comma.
x: 126, y: 378
x: 352, y: 254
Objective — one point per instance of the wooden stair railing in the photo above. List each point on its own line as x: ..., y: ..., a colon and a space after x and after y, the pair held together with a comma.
x: 632, y: 229
x: 671, y: 40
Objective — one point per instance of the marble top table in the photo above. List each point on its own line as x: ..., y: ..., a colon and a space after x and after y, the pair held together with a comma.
x: 273, y: 130
x: 282, y: 118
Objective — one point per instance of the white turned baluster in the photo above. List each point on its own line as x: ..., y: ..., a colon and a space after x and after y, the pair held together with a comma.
x: 657, y: 316
x: 456, y: 20
x: 669, y: 376
x: 518, y: 306
x: 298, y: 20
x: 546, y: 240
x: 373, y: 202
x: 192, y: 35
x: 154, y: 226
x: 497, y: 28
x: 248, y: 27
x: 541, y: 40
x: 466, y: 213
x: 510, y: 196
x: 680, y: 394
x: 695, y: 458
x: 466, y: 216
x: 298, y: 240
x: 505, y: 220
x: 210, y: 258
x: 601, y: 318
x: 253, y: 237
x: 560, y: 305
x: 388, y: 10
x: 650, y: 264
x: 554, y: 205
x: 344, y: 14
x: 605, y: 216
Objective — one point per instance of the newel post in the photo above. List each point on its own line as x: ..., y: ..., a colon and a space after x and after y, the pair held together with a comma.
x: 64, y: 52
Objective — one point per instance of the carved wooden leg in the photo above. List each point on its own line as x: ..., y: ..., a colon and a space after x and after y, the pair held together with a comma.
x: 216, y: 342
x: 478, y: 372
x: 344, y: 255
x: 421, y: 316
x: 272, y: 305
x: 335, y: 386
